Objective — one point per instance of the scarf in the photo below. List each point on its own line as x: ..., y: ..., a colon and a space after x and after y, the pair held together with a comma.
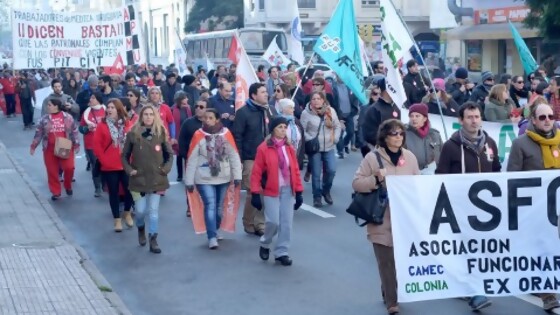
x: 267, y: 114
x: 116, y: 128
x: 476, y: 144
x: 282, y: 163
x: 293, y: 130
x: 88, y: 111
x: 549, y: 148
x: 215, y: 147
x: 424, y: 130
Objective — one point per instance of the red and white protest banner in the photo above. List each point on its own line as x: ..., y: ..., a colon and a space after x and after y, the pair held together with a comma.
x: 77, y: 39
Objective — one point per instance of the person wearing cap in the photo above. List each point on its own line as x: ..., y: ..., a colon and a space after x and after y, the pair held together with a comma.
x: 213, y: 162
x: 376, y: 114
x: 276, y: 177
x: 461, y: 89
x: 448, y: 105
x: 191, y: 87
x: 170, y: 88
x: 92, y: 117
x: 413, y: 83
x: 423, y: 140
x: 481, y: 91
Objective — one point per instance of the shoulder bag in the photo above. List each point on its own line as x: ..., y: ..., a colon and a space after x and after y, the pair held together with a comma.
x: 370, y: 207
x: 313, y: 146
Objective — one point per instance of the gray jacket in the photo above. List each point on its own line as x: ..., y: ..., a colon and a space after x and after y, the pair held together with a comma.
x: 328, y: 137
x: 426, y: 150
x: 64, y: 98
x: 525, y: 154
x: 494, y: 111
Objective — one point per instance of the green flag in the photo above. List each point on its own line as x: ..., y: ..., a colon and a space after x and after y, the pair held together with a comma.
x: 529, y: 63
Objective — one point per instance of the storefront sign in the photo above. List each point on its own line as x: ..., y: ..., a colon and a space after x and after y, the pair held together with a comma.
x: 501, y: 15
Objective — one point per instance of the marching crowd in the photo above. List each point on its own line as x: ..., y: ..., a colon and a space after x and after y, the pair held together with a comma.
x: 135, y: 126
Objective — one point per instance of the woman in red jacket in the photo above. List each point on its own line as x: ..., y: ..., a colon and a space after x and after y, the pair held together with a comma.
x: 276, y: 175
x: 108, y: 143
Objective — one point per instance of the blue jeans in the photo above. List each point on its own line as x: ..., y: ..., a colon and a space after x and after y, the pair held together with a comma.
x: 322, y: 163
x: 148, y: 203
x: 213, y: 199
x: 347, y: 136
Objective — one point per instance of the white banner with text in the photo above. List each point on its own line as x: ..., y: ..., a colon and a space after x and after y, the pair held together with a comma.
x: 475, y: 234
x: 77, y: 39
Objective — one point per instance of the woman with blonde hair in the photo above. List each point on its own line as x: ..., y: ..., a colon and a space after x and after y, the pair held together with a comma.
x: 499, y: 106
x: 147, y: 158
x: 156, y: 100
x: 320, y: 124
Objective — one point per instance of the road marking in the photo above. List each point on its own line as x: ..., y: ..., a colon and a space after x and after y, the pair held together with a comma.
x: 316, y: 211
x: 79, y: 156
x: 535, y: 301
x: 174, y: 183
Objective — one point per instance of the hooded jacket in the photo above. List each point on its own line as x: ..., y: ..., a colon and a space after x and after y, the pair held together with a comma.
x: 250, y: 128
x: 479, y: 94
x: 450, y: 161
x: 328, y: 137
x: 374, y: 116
x: 168, y: 92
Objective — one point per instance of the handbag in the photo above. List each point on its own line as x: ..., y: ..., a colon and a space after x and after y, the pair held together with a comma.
x: 62, y: 147
x: 370, y: 207
x: 313, y: 146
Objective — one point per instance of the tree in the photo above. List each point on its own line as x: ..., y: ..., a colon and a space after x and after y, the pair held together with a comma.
x: 228, y: 13
x: 544, y: 16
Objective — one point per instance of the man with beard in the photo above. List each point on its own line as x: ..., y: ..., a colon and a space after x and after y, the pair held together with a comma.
x: 250, y: 128
x: 68, y: 103
x: 470, y: 150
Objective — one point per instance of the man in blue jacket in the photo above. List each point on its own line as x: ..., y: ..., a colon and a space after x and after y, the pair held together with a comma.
x: 224, y: 103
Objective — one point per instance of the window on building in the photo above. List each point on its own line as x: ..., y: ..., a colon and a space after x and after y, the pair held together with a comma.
x: 155, y: 42
x: 370, y: 3
x: 166, y: 33
x: 306, y: 4
x: 261, y: 5
x: 474, y: 55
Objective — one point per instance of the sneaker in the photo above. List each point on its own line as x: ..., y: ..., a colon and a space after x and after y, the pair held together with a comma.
x: 354, y: 149
x: 264, y: 253
x: 307, y: 177
x: 550, y: 302
x: 317, y: 203
x: 55, y: 197
x: 347, y: 150
x: 179, y: 179
x: 213, y: 243
x: 284, y: 260
x: 219, y: 237
x: 393, y: 310
x: 97, y: 193
x: 340, y: 155
x: 88, y: 167
x: 479, y: 302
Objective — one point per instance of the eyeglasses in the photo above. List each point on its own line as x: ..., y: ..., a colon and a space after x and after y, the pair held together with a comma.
x: 490, y: 79
x: 396, y: 133
x: 130, y: 95
x: 200, y: 106
x: 544, y: 117
x: 519, y: 82
x: 317, y: 84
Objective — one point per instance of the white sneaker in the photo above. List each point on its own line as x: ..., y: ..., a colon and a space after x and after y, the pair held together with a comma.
x: 219, y: 237
x: 213, y: 243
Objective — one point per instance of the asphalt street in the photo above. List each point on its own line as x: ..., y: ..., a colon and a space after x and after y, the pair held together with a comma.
x: 334, y: 270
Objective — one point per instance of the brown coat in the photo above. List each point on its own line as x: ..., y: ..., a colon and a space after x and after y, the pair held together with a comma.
x: 364, y: 182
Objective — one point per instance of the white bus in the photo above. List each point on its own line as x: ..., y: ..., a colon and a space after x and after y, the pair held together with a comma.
x: 217, y: 44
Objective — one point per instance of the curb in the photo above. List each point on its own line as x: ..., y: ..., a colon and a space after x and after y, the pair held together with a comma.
x: 86, y: 262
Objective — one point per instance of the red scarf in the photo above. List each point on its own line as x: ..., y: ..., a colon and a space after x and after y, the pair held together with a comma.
x: 424, y: 130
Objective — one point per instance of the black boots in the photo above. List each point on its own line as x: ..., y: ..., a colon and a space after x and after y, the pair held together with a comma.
x: 154, y: 247
x: 142, y: 236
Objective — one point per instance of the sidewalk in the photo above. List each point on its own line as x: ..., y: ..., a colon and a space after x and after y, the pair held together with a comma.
x: 41, y: 270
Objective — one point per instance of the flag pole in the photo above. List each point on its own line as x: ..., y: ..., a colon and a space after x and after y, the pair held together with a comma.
x: 304, y: 71
x: 427, y: 71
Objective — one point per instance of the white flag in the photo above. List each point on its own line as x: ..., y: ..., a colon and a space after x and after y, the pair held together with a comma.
x: 395, y: 44
x: 209, y: 64
x: 180, y: 56
x: 245, y: 74
x: 274, y: 56
x: 364, y: 57
x: 295, y: 50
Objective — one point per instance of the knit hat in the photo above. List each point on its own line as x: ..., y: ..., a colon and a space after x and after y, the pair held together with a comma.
x: 461, y: 73
x: 98, y: 96
x: 541, y: 87
x: 439, y: 84
x: 278, y: 120
x: 486, y: 75
x: 419, y: 108
x: 188, y: 79
x: 93, y: 79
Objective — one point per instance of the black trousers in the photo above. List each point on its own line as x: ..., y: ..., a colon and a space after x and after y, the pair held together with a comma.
x: 10, y: 103
x: 180, y: 160
x: 114, y: 180
x: 27, y: 111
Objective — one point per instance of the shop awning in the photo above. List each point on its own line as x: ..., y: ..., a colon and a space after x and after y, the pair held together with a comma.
x: 489, y: 31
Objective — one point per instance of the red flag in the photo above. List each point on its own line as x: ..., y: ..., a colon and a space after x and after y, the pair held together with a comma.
x: 234, y: 52
x: 116, y: 68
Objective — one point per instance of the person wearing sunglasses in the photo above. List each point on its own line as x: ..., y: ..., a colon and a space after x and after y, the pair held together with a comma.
x: 470, y: 150
x: 518, y: 93
x: 538, y: 149
x: 281, y: 91
x: 396, y: 160
x: 136, y: 103
x: 481, y: 91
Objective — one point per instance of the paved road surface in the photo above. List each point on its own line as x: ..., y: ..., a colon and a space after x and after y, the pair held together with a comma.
x: 334, y: 270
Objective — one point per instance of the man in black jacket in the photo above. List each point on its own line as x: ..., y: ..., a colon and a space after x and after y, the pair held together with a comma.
x: 413, y: 83
x: 169, y: 88
x: 186, y: 133
x: 376, y: 114
x: 249, y: 129
x: 461, y: 89
x: 481, y: 91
